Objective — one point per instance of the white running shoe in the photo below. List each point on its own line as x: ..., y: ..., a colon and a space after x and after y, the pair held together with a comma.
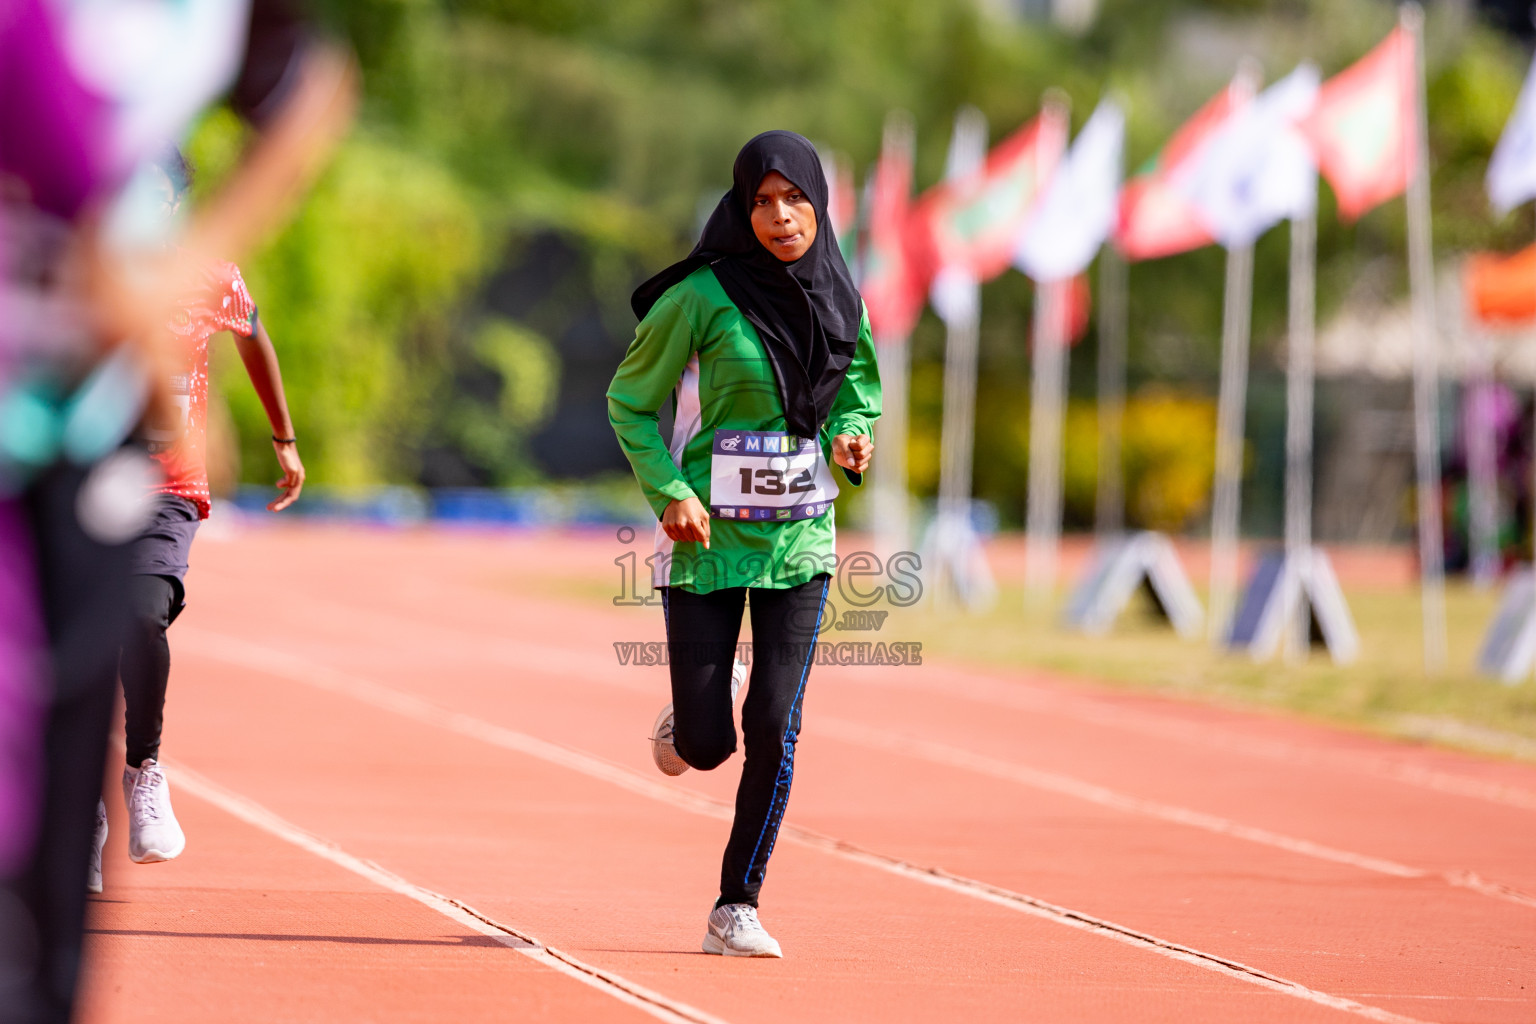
x: 663, y: 747
x: 739, y: 673
x: 93, y: 870
x: 153, y: 833
x: 734, y: 930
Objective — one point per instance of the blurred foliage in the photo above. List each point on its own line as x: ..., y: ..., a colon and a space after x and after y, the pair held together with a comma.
x: 504, y: 387
x: 360, y: 295
x: 1168, y: 450
x: 490, y: 124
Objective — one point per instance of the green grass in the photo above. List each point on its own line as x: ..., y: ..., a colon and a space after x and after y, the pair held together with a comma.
x: 1385, y: 690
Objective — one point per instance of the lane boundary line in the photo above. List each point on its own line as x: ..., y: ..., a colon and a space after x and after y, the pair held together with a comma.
x: 1031, y: 697
x: 983, y: 686
x: 1069, y: 786
x: 251, y: 656
x: 1065, y: 785
x: 613, y: 985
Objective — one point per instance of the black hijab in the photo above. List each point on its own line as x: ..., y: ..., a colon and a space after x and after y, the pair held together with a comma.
x: 807, y: 312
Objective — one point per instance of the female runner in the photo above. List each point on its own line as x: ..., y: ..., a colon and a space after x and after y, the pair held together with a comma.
x: 761, y: 339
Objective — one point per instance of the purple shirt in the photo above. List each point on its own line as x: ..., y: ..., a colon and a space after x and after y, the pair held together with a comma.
x: 53, y: 131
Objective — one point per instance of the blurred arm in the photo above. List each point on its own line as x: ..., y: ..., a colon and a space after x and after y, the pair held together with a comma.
x: 133, y: 301
x: 260, y: 360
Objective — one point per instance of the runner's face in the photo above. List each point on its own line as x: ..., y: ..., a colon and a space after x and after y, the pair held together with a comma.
x: 783, y: 218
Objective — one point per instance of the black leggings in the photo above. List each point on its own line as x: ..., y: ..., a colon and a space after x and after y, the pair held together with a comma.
x: 146, y: 662
x: 702, y: 631
x: 84, y: 600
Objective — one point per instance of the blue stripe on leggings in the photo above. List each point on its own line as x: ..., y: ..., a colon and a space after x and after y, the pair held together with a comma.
x: 786, y: 774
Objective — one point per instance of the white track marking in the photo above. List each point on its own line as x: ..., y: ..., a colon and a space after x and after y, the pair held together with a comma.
x: 262, y: 659
x: 562, y: 662
x: 1024, y: 696
x: 1086, y: 922
x: 986, y: 689
x: 610, y: 984
x: 1065, y: 785
x: 1020, y: 694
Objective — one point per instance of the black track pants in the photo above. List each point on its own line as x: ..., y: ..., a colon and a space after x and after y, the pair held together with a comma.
x: 146, y: 664
x: 702, y: 631
x: 85, y: 601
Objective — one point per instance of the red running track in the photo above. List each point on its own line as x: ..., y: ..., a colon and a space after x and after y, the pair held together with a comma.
x: 371, y: 731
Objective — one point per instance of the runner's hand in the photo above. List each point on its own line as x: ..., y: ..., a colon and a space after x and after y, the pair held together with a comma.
x: 686, y: 520
x: 293, y: 476
x: 853, y: 453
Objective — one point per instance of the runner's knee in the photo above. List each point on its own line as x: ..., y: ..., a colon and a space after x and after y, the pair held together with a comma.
x: 704, y: 752
x: 153, y: 600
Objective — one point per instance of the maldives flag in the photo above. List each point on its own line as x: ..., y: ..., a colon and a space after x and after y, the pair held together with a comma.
x: 976, y: 223
x: 1364, y: 129
x: 1156, y: 218
x: 893, y: 287
x: 842, y: 202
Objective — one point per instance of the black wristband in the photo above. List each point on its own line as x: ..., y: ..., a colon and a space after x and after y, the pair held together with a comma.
x: 284, y: 440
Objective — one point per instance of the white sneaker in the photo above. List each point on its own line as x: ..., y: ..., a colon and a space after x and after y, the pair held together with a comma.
x: 153, y: 834
x: 93, y: 870
x: 663, y: 747
x: 734, y: 930
x: 739, y: 673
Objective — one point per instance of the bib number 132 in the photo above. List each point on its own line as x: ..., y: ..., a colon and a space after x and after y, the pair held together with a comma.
x: 772, y: 482
x: 767, y: 475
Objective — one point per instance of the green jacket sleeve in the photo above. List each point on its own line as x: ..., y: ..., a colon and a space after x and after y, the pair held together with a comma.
x: 857, y: 405
x: 664, y: 342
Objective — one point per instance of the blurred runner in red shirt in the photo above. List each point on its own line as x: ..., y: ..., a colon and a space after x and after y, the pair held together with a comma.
x: 179, y: 442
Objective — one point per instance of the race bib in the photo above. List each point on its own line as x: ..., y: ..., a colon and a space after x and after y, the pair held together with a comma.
x: 766, y: 475
x: 162, y: 433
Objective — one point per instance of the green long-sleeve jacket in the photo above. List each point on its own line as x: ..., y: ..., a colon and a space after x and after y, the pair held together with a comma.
x: 696, y: 347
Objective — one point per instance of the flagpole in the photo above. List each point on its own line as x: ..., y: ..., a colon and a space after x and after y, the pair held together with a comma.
x: 892, y: 501
x: 1299, y: 393
x: 953, y: 532
x: 1480, y: 429
x: 1231, y: 403
x: 1426, y: 383
x: 892, y: 516
x: 1109, y: 498
x: 1230, y: 410
x: 1047, y: 387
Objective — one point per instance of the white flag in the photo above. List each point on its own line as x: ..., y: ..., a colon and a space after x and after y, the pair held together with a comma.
x: 1258, y: 169
x: 1512, y: 171
x: 1078, y: 211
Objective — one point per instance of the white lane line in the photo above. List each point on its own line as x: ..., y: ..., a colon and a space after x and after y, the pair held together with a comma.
x: 564, y: 663
x: 1022, y: 695
x: 1065, y: 785
x: 261, y: 659
x: 1034, y: 907
x: 625, y: 991
x: 1015, y: 693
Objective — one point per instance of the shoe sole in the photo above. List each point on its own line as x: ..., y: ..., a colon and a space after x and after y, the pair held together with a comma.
x: 665, y: 754
x: 93, y: 889
x: 713, y: 945
x: 157, y: 856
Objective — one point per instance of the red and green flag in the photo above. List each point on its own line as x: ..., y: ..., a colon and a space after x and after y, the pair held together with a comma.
x: 1156, y: 217
x: 1364, y: 130
x: 892, y: 284
x: 976, y: 223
